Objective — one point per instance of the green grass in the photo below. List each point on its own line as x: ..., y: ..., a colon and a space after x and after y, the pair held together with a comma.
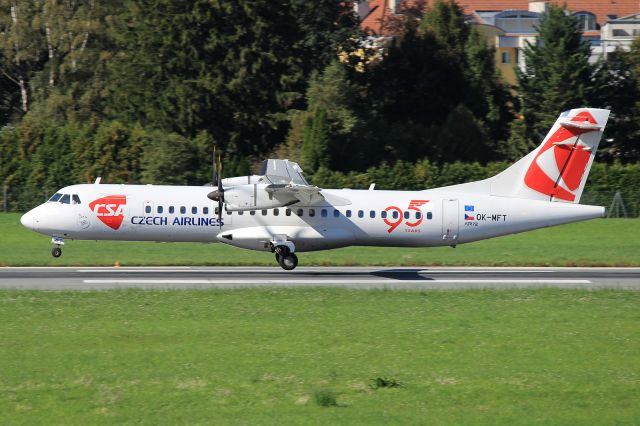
x: 612, y: 242
x: 287, y: 356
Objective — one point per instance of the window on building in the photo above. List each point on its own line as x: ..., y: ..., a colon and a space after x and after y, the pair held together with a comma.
x: 506, y: 58
x: 586, y: 21
x: 620, y: 33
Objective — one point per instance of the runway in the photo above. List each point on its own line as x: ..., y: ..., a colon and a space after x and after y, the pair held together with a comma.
x: 421, y: 278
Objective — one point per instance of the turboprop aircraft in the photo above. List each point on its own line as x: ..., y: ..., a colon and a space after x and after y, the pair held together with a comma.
x: 280, y: 212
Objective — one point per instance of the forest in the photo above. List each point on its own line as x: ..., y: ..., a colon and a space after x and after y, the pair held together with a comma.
x: 141, y: 91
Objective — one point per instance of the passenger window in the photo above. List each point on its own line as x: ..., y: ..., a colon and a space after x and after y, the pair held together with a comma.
x: 360, y: 214
x: 407, y: 215
x: 147, y: 209
x: 194, y: 210
x: 287, y: 212
x: 160, y: 209
x: 372, y: 214
x: 205, y: 210
x: 240, y: 213
x: 299, y: 212
x: 383, y: 214
x: 323, y: 213
x: 348, y: 213
x: 418, y: 215
x: 183, y: 209
x: 429, y: 215
x: 312, y: 212
x: 264, y: 212
x: 65, y: 199
x: 217, y: 211
x: 252, y: 212
x: 171, y: 209
x: 55, y: 197
x: 75, y: 199
x: 395, y: 214
x: 336, y: 213
x: 276, y: 212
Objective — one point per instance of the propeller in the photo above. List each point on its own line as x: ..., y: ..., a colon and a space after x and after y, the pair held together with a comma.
x: 218, y: 193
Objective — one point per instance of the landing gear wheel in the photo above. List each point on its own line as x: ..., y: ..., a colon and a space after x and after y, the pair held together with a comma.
x: 288, y: 261
x: 56, y: 252
x: 277, y: 258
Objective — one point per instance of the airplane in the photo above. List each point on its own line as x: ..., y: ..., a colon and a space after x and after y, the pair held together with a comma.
x: 278, y: 211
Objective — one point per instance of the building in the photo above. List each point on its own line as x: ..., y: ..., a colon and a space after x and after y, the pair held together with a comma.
x: 510, y: 24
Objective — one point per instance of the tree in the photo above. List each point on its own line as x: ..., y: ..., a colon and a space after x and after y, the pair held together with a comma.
x: 557, y: 74
x: 622, y: 90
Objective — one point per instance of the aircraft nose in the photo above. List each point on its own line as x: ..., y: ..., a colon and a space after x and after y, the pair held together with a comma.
x: 28, y: 220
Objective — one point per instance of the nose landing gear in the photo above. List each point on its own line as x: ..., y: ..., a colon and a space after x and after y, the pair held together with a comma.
x: 57, y: 251
x: 284, y: 251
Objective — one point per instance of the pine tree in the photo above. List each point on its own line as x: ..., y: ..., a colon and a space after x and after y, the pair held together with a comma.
x: 557, y: 74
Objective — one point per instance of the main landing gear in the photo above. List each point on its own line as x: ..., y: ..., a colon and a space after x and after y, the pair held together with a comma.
x: 57, y: 251
x: 285, y: 256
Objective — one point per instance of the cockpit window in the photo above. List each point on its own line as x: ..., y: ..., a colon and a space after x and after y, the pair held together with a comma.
x: 75, y: 199
x: 55, y: 197
x: 66, y: 198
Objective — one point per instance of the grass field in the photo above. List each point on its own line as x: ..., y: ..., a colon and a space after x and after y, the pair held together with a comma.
x: 612, y: 242
x: 277, y: 356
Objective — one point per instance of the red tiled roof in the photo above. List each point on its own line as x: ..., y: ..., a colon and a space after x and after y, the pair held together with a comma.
x: 601, y: 8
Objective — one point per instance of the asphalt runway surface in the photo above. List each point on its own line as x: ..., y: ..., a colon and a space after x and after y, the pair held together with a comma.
x: 447, y: 278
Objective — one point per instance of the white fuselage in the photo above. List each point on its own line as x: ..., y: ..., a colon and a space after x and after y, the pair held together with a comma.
x: 346, y: 217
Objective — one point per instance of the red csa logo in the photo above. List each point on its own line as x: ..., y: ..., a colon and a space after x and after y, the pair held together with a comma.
x: 562, y: 161
x: 110, y: 210
x: 399, y: 215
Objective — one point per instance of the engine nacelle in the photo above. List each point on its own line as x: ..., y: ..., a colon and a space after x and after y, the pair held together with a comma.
x: 254, y: 197
x: 243, y: 180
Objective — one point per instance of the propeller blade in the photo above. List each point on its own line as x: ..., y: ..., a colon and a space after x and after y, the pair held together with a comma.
x: 214, y: 177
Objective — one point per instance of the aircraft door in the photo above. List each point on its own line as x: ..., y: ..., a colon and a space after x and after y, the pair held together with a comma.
x: 450, y: 220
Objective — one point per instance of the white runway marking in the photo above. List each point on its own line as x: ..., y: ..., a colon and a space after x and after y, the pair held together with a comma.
x: 342, y: 281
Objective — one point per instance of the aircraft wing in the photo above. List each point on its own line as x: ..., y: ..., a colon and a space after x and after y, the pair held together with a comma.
x: 306, y: 194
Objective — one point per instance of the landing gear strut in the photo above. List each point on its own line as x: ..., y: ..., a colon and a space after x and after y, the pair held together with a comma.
x: 57, y: 251
x: 284, y: 251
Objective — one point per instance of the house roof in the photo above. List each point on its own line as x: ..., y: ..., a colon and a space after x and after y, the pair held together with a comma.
x: 379, y: 9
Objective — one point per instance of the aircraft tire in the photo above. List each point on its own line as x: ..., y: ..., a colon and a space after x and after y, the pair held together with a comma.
x: 277, y: 258
x: 288, y: 262
x: 56, y: 252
